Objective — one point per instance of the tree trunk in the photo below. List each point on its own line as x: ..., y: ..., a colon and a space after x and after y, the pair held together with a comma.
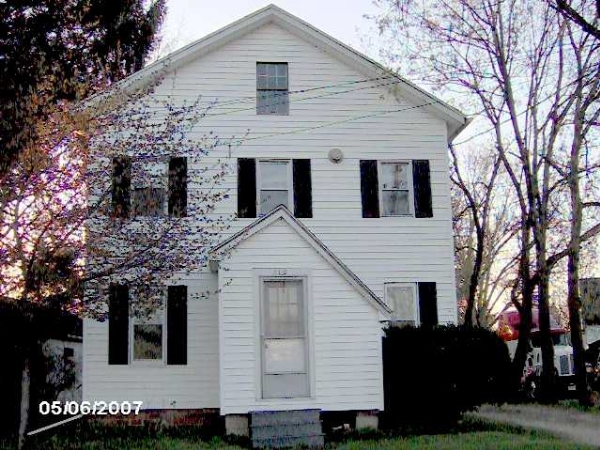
x: 25, y: 395
x: 574, y: 302
x: 548, y: 387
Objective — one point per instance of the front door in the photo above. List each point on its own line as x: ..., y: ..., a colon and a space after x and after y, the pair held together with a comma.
x: 284, y: 338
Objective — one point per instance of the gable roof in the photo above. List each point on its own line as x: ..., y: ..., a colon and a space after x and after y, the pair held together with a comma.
x: 282, y: 213
x: 455, y: 120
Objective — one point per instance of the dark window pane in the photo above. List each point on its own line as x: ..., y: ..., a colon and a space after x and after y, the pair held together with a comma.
x: 148, y: 201
x: 395, y: 203
x: 147, y: 342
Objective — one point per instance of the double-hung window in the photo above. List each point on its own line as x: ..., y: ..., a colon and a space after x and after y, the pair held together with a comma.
x: 284, y: 338
x: 395, y: 188
x: 272, y: 88
x: 395, y: 185
x: 402, y: 300
x: 147, y: 199
x: 275, y: 185
x: 147, y: 329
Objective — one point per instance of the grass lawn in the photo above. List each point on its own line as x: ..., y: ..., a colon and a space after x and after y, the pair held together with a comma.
x: 479, y: 436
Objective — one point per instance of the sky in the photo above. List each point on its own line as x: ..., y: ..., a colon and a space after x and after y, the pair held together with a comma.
x: 189, y: 20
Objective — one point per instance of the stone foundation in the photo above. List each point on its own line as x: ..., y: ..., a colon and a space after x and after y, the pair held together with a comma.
x: 237, y: 425
x: 367, y: 419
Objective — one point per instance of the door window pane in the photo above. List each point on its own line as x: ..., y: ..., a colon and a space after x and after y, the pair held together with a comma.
x: 289, y: 385
x: 284, y: 355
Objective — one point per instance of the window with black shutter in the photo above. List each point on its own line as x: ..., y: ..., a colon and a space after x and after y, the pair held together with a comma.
x: 395, y: 188
x: 178, y: 187
x: 118, y: 324
x: 121, y: 185
x: 265, y: 184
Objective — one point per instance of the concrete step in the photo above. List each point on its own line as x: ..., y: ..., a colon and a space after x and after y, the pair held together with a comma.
x: 282, y: 429
x: 288, y: 441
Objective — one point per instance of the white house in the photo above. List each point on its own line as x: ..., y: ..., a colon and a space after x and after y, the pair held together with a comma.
x: 344, y: 222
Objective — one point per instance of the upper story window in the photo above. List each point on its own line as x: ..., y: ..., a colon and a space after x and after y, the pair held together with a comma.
x: 272, y: 88
x: 149, y: 200
x: 264, y: 184
x: 395, y: 188
x: 275, y: 185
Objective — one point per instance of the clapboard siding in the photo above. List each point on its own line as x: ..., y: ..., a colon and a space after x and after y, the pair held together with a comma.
x: 195, y: 385
x: 347, y: 369
x: 338, y: 110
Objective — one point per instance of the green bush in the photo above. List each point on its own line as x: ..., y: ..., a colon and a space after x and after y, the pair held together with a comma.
x: 434, y: 374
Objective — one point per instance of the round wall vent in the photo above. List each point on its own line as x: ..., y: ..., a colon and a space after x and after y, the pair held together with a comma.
x: 335, y: 155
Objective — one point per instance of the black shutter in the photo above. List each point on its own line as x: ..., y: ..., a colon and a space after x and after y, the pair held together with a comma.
x: 246, y: 187
x: 178, y: 187
x: 177, y: 325
x: 369, y: 188
x: 422, y: 186
x: 118, y: 324
x: 302, y: 188
x: 428, y: 304
x: 121, y: 184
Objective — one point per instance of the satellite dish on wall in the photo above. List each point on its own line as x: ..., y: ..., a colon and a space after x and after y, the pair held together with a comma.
x: 335, y: 155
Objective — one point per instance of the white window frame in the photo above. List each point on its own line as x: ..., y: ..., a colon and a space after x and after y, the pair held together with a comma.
x: 413, y: 286
x: 411, y: 187
x: 290, y: 183
x: 133, y: 321
x: 280, y: 274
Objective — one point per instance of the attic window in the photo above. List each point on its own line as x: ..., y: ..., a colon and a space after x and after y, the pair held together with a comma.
x: 272, y: 89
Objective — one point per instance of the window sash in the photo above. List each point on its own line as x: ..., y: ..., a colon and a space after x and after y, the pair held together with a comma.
x: 402, y: 314
x: 272, y: 88
x: 276, y: 187
x: 396, y: 190
x: 148, y: 325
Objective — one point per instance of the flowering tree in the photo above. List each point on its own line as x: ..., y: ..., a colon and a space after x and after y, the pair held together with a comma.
x: 93, y: 204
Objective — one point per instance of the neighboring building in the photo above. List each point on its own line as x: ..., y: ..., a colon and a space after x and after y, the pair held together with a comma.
x: 364, y: 235
x: 56, y: 361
